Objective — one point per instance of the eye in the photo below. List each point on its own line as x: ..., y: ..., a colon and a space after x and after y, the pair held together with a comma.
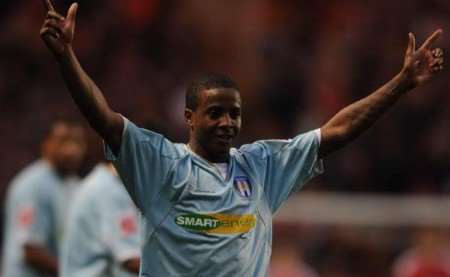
x: 214, y: 113
x: 235, y: 113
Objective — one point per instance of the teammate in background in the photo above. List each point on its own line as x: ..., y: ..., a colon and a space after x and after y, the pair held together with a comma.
x: 37, y: 202
x: 208, y: 207
x: 102, y: 237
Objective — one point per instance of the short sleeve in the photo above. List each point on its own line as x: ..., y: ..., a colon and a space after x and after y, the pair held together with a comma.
x: 122, y: 233
x: 143, y: 162
x: 33, y: 220
x: 286, y: 165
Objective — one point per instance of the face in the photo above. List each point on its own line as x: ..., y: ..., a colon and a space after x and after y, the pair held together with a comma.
x: 65, y: 148
x: 215, y: 123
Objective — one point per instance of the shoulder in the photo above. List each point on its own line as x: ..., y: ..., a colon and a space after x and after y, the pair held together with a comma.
x: 256, y: 148
x: 264, y: 148
x: 90, y: 194
x: 35, y: 180
x: 152, y: 140
x: 36, y: 171
x: 101, y: 185
x: 95, y: 182
x: 261, y: 149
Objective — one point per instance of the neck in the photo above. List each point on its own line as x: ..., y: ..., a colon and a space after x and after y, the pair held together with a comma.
x: 205, y: 154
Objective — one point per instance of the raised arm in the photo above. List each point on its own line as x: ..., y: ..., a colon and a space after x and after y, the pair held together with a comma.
x: 419, y: 67
x: 57, y: 33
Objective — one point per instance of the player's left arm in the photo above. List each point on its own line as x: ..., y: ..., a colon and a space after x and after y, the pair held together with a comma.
x: 419, y: 66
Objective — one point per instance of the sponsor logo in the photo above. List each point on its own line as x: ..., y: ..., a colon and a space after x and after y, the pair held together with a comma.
x: 243, y: 186
x: 217, y: 223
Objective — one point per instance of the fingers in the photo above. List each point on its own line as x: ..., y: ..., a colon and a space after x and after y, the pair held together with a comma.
x: 48, y: 5
x: 437, y: 52
x: 53, y: 23
x: 54, y: 20
x: 54, y: 15
x: 431, y: 39
x: 72, y: 13
x: 437, y: 68
x: 51, y: 27
x: 411, y: 44
x: 437, y: 64
x: 437, y: 60
x: 49, y: 31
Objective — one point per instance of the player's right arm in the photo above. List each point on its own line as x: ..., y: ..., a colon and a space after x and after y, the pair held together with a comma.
x: 57, y: 32
x: 132, y: 265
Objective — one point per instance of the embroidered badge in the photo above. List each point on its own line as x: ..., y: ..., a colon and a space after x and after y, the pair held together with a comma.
x: 26, y: 216
x: 242, y: 184
x: 128, y: 224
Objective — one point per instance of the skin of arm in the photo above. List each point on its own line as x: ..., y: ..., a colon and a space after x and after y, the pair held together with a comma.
x: 418, y: 68
x: 132, y: 265
x: 57, y: 32
x: 39, y: 258
x: 90, y: 101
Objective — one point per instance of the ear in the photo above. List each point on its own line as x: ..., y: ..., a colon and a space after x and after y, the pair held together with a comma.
x: 46, y: 148
x: 188, y: 117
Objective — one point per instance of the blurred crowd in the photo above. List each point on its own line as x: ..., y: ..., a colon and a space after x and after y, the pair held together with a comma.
x: 346, y: 251
x: 297, y: 63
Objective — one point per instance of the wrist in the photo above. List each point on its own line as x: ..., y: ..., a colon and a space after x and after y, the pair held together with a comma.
x: 64, y: 55
x: 405, y: 81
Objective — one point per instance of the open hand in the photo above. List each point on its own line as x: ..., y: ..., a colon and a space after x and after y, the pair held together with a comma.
x: 421, y: 64
x: 57, y: 30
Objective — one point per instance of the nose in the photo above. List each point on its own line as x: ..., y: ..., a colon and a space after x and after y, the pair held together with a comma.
x: 226, y: 120
x: 72, y: 153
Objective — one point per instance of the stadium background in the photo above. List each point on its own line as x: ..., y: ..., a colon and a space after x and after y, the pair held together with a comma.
x: 297, y: 63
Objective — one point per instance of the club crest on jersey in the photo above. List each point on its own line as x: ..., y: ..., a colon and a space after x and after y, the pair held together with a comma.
x: 243, y: 186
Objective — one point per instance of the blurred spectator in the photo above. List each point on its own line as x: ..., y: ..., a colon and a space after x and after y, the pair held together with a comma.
x: 287, y: 255
x: 429, y: 256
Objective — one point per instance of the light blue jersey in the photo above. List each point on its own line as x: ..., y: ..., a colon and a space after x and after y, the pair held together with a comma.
x: 197, y: 223
x: 103, y: 229
x: 36, y: 206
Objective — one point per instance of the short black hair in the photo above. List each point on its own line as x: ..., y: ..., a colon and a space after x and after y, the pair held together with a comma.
x: 205, y: 82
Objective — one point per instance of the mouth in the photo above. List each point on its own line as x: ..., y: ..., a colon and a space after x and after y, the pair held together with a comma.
x: 224, y: 138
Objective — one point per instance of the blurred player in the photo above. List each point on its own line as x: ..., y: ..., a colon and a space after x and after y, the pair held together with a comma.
x: 208, y: 207
x: 37, y: 202
x: 102, y: 237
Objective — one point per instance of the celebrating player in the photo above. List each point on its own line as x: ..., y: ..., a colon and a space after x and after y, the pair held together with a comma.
x: 207, y: 206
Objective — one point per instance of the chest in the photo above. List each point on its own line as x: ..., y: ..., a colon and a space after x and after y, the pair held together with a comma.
x: 205, y: 188
x: 208, y: 201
